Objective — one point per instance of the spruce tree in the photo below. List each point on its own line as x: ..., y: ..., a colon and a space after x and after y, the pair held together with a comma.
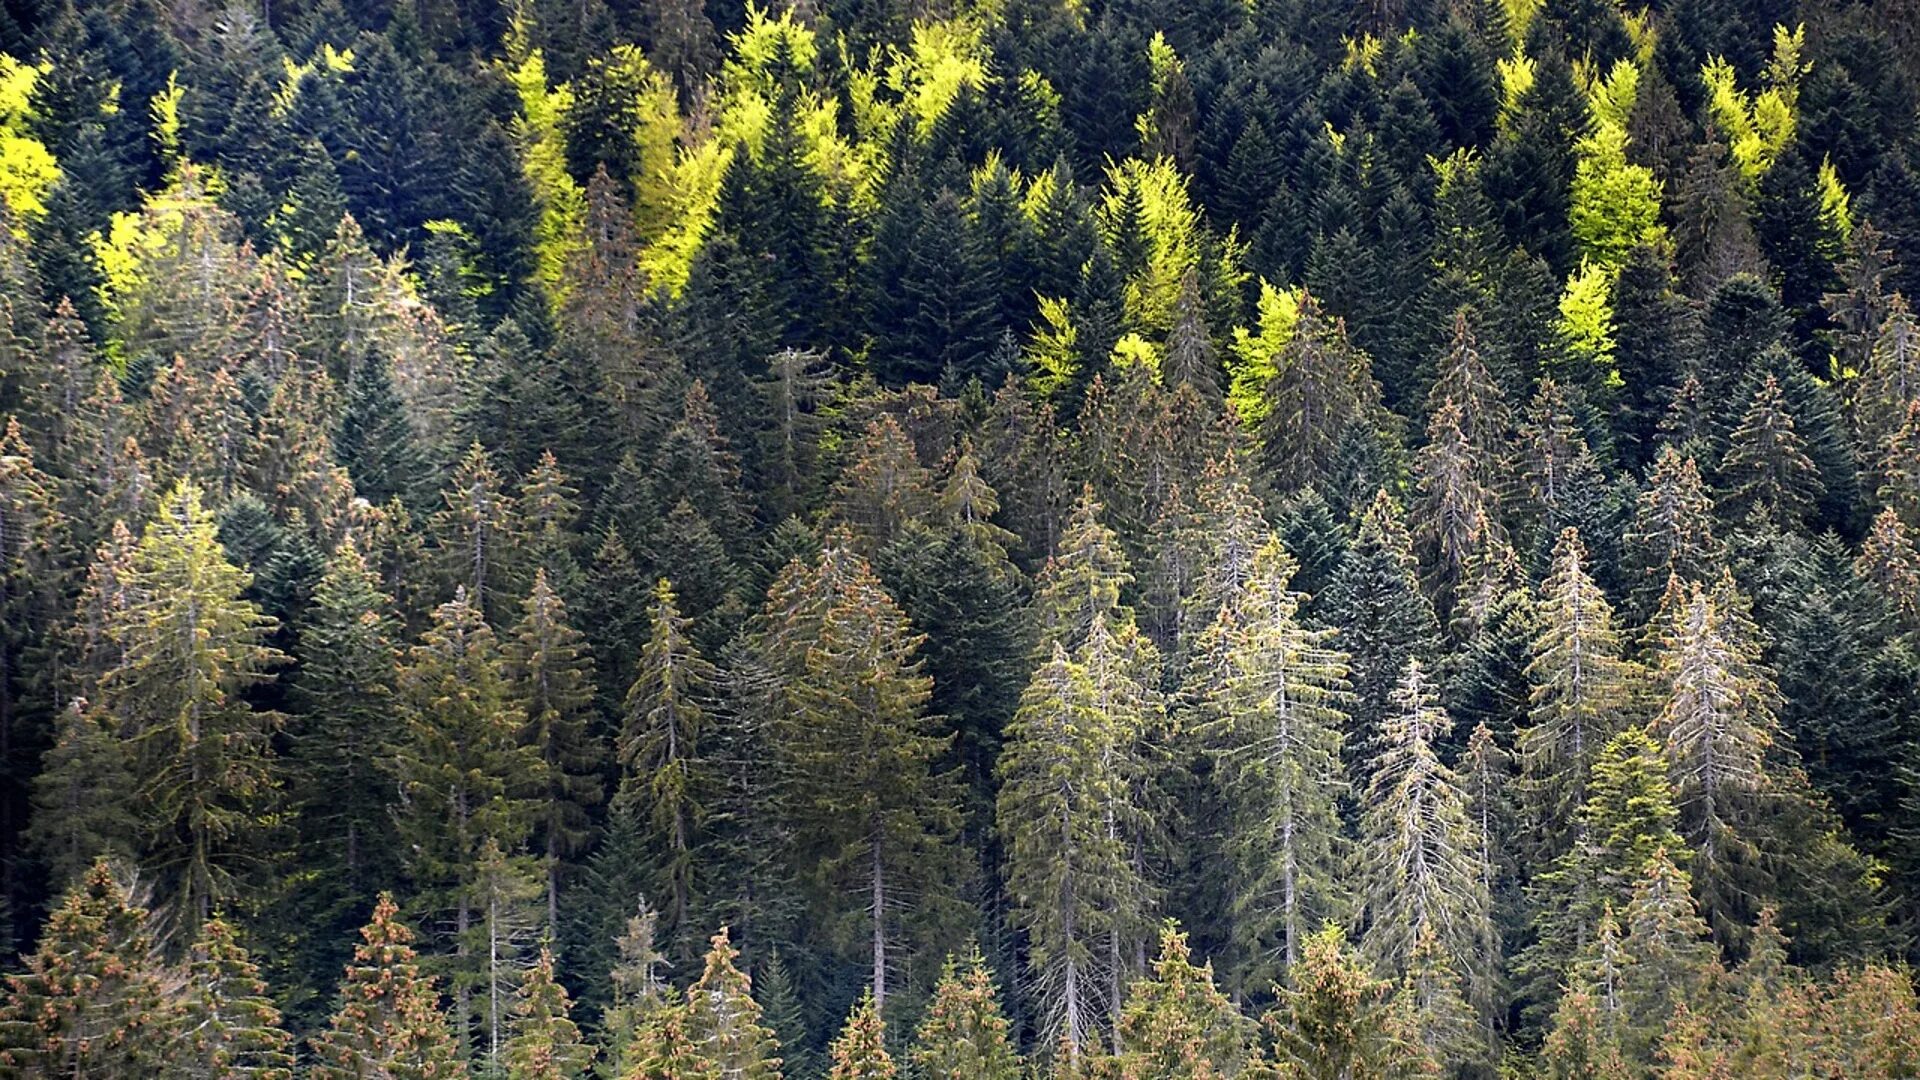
x: 1322, y: 389
x: 664, y: 779
x: 964, y: 1034
x: 1331, y: 1021
x: 465, y: 780
x: 546, y: 1044
x: 1177, y: 1025
x: 1767, y: 470
x: 723, y: 1021
x: 1275, y: 727
x: 389, y: 1022
x: 93, y: 1000
x: 191, y: 647
x: 474, y: 532
x: 1669, y: 958
x: 860, y: 1051
x: 343, y: 701
x: 235, y: 1031
x: 1384, y: 619
x: 1583, y: 691
x: 1419, y: 865
x: 870, y: 810
x: 1068, y: 872
x: 550, y: 681
x: 1671, y: 534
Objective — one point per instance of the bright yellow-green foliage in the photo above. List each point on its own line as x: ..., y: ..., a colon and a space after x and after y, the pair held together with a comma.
x: 1758, y: 125
x: 135, y: 238
x: 1133, y: 350
x: 1171, y: 234
x: 1520, y: 15
x: 1836, y: 206
x: 1615, y: 203
x: 942, y: 59
x: 1054, y: 348
x: 326, y: 61
x: 166, y: 121
x: 27, y: 170
x: 1516, y: 78
x: 543, y: 160
x: 1251, y: 364
x: 1363, y: 53
x: 1586, y: 316
x: 1163, y: 64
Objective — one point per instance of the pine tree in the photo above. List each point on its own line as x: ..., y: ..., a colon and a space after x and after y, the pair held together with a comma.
x: 93, y: 1001
x: 860, y: 1052
x: 546, y: 1044
x: 389, y: 1022
x: 1583, y: 1043
x: 1889, y: 561
x: 1419, y: 865
x: 191, y: 646
x: 1068, y: 873
x: 664, y: 777
x: 1583, y: 691
x: 723, y: 1021
x: 1767, y: 469
x: 550, y: 680
x: 1437, y: 1019
x: 1275, y: 726
x: 1177, y: 1025
x: 235, y: 1031
x: 1384, y: 619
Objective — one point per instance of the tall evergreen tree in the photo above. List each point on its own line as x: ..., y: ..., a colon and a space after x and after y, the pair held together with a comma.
x: 1384, y: 619
x: 550, y: 680
x: 723, y: 1021
x: 191, y: 647
x: 665, y: 779
x: 546, y: 1043
x: 234, y: 1028
x: 1583, y: 691
x: 93, y: 1000
x: 1420, y: 868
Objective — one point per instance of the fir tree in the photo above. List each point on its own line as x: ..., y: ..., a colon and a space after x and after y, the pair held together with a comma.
x: 82, y: 795
x: 1767, y: 469
x: 474, y: 531
x: 1420, y: 867
x: 1177, y: 1025
x: 235, y: 1031
x: 868, y: 805
x: 1583, y: 690
x: 389, y: 1021
x: 1384, y: 619
x: 1671, y: 534
x: 1068, y: 873
x: 1670, y: 960
x: 1278, y: 717
x: 1332, y: 1021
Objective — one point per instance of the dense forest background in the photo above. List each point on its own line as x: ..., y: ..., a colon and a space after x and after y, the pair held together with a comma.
x: 1105, y: 537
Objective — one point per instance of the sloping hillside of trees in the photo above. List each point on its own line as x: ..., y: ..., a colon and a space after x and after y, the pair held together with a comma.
x: 1095, y: 539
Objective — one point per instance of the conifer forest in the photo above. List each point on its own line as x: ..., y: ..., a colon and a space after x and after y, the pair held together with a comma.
x: 959, y: 539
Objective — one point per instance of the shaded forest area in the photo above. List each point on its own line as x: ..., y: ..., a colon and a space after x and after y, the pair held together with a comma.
x: 1096, y: 539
